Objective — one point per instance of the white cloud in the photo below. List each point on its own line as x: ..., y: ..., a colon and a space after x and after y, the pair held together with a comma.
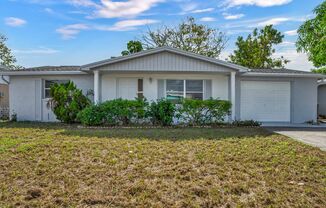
x: 201, y: 10
x: 207, y: 19
x: 273, y: 21
x: 260, y: 3
x: 291, y: 32
x: 85, y: 3
x: 70, y: 31
x: 287, y: 43
x: 14, y: 21
x: 228, y: 16
x: 298, y: 61
x: 40, y: 50
x: 127, y: 25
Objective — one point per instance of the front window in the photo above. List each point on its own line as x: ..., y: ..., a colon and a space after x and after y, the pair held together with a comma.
x: 49, y: 83
x: 178, y: 89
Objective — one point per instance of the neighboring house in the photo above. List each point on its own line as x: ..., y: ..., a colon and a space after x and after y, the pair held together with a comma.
x: 266, y: 95
x: 4, y: 95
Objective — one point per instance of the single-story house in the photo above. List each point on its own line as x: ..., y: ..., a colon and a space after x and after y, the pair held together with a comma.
x: 266, y: 95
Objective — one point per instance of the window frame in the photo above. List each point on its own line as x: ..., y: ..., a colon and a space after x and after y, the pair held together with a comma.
x: 49, y: 88
x: 185, y: 92
x: 140, y: 93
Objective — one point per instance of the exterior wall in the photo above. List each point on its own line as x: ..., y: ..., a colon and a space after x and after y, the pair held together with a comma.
x: 220, y: 83
x: 26, y: 94
x: 165, y: 61
x: 322, y: 100
x: 303, y: 96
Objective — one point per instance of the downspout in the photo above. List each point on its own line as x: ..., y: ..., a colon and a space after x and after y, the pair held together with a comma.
x: 6, y: 81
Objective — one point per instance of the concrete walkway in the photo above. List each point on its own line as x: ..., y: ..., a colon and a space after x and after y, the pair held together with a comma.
x: 312, y: 136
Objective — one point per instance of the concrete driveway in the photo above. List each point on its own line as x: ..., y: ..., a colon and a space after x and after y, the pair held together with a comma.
x: 312, y: 136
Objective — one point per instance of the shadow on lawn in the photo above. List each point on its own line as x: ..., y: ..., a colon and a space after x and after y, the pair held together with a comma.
x: 173, y: 134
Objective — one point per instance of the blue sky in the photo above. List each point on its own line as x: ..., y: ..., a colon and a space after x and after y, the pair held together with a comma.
x: 76, y: 32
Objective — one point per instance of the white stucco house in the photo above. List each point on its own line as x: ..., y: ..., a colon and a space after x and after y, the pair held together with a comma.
x: 266, y: 95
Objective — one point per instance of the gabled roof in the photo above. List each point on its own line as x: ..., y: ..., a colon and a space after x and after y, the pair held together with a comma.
x: 164, y: 49
x: 52, y: 68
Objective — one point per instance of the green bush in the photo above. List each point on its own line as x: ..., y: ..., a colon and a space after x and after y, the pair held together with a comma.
x: 115, y: 112
x: 67, y: 101
x: 162, y: 112
x: 201, y: 112
x: 249, y: 123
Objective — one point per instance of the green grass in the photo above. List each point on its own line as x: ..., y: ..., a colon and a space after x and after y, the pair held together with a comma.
x: 55, y: 165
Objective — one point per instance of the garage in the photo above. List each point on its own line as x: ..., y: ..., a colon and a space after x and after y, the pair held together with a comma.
x: 265, y: 101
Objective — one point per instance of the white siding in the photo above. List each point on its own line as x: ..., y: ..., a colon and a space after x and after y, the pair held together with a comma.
x: 165, y: 61
x: 26, y: 94
x: 220, y: 83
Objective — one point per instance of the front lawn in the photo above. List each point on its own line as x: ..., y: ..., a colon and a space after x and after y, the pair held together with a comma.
x: 54, y: 165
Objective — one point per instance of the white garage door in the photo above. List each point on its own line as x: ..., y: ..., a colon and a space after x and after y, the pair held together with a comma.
x: 265, y: 101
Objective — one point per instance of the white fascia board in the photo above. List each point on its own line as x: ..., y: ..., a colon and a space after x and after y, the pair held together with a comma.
x: 26, y: 73
x: 257, y: 74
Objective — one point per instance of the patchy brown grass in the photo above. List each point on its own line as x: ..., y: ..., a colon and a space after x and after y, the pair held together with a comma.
x: 52, y: 165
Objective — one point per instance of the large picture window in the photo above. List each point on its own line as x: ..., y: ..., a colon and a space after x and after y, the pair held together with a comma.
x: 49, y: 83
x: 178, y: 89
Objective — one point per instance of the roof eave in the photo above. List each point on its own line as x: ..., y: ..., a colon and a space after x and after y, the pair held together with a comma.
x: 261, y: 74
x: 13, y: 72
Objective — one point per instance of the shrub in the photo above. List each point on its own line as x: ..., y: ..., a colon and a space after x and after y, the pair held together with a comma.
x: 91, y: 116
x: 249, y: 123
x: 200, y: 112
x: 67, y: 101
x: 115, y: 112
x: 162, y: 112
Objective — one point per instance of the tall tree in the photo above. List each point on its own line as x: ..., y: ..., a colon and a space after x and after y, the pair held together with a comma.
x: 188, y: 36
x: 133, y: 46
x: 6, y: 57
x: 312, y: 37
x: 257, y: 49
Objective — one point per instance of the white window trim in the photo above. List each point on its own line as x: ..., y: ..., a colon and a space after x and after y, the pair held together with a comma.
x: 185, y: 87
x: 47, y: 88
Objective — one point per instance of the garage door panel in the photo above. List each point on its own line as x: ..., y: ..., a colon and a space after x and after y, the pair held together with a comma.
x: 265, y: 101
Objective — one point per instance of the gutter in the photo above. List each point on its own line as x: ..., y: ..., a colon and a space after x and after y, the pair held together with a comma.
x: 13, y: 73
x: 258, y: 74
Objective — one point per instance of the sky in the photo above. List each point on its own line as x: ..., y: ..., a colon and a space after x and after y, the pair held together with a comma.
x: 77, y: 32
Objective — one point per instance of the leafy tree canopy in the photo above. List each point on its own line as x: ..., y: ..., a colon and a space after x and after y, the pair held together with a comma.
x: 312, y: 37
x: 188, y: 36
x: 320, y: 70
x: 257, y: 49
x: 133, y: 46
x: 6, y: 57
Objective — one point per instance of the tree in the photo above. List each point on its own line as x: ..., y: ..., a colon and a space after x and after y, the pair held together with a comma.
x: 67, y: 101
x: 257, y: 49
x: 133, y: 46
x: 188, y: 36
x: 6, y: 57
x: 312, y: 37
x: 320, y: 70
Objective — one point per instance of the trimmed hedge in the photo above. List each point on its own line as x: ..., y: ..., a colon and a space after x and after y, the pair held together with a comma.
x: 203, y: 112
x: 115, y: 112
x: 162, y: 112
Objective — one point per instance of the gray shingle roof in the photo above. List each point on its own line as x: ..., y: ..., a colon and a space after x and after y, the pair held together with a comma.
x: 286, y: 71
x: 51, y: 68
